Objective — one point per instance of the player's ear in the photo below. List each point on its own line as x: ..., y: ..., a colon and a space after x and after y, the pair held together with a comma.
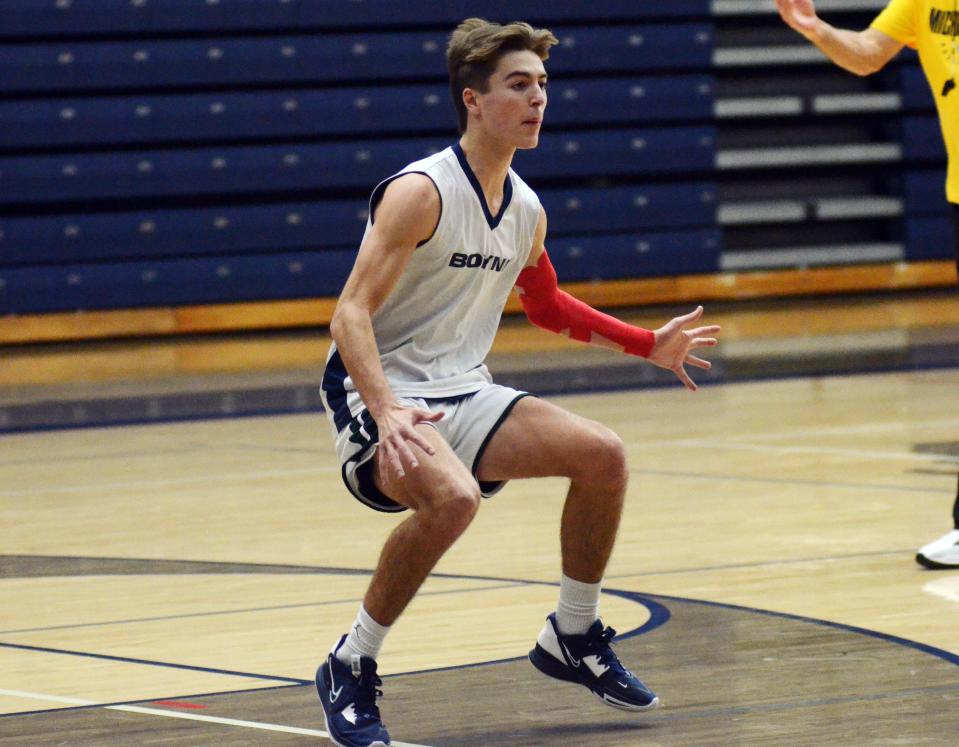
x: 470, y: 101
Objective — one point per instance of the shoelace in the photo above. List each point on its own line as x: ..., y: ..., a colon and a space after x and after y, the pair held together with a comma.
x: 601, y: 647
x: 366, y: 694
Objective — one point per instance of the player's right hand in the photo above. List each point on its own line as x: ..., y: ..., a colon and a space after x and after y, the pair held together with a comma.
x: 799, y: 15
x: 397, y: 431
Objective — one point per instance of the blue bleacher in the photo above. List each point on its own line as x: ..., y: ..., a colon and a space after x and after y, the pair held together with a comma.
x: 617, y: 152
x: 79, y: 237
x: 58, y: 264
x: 584, y: 211
x: 153, y: 65
x: 247, y: 170
x: 281, y: 114
x: 119, y: 116
x: 82, y: 17
x: 650, y: 254
x: 341, y: 111
x: 91, y: 286
x: 205, y: 171
x: 137, y: 283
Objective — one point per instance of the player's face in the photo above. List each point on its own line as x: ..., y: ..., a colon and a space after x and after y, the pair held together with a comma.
x: 512, y: 109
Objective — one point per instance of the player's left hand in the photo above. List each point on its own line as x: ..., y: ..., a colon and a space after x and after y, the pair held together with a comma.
x: 674, y: 343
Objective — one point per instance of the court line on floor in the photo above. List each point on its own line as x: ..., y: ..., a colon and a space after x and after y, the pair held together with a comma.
x: 304, y: 471
x: 661, y: 381
x: 499, y: 582
x: 154, y: 663
x: 819, y: 450
x: 274, y: 608
x: 98, y: 457
x: 788, y: 481
x: 171, y: 481
x: 924, y: 648
x: 764, y: 564
x: 898, y: 695
x: 144, y: 453
x: 178, y: 697
x: 658, y: 616
x: 661, y: 614
x: 833, y: 430
x: 188, y: 716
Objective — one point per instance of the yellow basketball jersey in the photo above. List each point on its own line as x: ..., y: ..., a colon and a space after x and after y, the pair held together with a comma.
x: 932, y: 28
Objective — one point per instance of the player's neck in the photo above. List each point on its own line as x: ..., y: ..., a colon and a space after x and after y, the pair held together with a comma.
x: 489, y: 161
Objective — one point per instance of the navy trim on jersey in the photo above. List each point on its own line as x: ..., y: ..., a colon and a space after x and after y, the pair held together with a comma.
x: 492, y: 220
x: 380, y: 189
x: 332, y: 384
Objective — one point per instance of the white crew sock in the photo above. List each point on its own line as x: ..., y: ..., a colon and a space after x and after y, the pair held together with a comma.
x: 365, y: 638
x: 578, y: 605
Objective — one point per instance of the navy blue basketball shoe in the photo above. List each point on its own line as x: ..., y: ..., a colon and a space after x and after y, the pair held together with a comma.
x: 588, y: 659
x: 348, y: 695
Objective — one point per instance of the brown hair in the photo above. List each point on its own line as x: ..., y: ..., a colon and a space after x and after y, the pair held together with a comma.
x: 475, y: 48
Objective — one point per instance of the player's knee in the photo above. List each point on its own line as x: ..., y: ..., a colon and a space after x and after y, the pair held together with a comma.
x: 606, y: 458
x: 456, y: 511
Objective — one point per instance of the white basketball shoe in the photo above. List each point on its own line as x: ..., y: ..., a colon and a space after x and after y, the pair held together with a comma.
x: 941, y: 554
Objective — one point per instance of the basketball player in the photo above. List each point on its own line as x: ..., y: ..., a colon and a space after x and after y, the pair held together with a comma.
x: 418, y: 422
x: 932, y: 28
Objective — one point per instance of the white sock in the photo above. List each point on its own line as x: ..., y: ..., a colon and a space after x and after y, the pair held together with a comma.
x: 365, y: 638
x: 578, y: 605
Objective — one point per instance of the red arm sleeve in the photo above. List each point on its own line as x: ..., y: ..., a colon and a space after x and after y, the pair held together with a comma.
x: 549, y: 307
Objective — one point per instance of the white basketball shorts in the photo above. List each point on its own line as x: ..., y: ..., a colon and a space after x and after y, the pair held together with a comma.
x: 468, y: 424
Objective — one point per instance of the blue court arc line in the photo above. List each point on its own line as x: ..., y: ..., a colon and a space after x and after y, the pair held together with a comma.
x: 169, y: 665
x: 659, y: 615
x: 925, y: 648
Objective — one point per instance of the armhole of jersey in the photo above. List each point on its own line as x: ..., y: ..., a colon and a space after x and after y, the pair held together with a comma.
x: 380, y: 189
x: 528, y: 202
x: 534, y: 216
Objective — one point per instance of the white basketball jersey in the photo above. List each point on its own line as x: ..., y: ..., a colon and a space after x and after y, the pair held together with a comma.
x: 437, y: 326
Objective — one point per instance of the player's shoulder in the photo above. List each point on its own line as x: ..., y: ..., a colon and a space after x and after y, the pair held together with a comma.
x: 432, y: 164
x: 422, y: 179
x: 409, y: 201
x: 411, y: 187
x: 414, y: 188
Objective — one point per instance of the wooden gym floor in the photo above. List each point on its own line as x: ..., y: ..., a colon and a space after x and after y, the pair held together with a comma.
x: 178, y: 553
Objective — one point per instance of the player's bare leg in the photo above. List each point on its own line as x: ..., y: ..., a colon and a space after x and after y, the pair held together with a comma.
x: 444, y: 498
x: 539, y: 439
